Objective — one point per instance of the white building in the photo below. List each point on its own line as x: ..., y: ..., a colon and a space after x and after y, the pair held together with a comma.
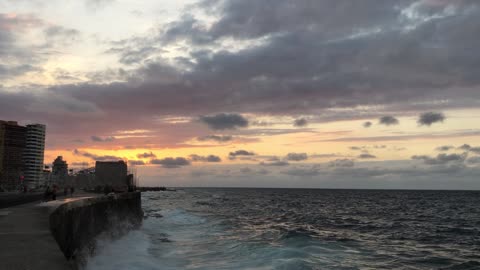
x: 33, y: 155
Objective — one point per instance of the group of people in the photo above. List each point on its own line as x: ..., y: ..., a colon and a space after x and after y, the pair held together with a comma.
x: 51, y: 193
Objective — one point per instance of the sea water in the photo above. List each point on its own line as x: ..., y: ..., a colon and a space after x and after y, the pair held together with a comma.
x: 299, y: 229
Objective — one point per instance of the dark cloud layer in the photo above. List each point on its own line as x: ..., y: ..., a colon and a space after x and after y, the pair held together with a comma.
x: 445, y: 148
x: 209, y: 158
x: 216, y: 138
x: 302, y: 57
x: 367, y: 124
x: 366, y: 156
x: 241, y: 154
x: 302, y: 122
x: 95, y: 157
x: 469, y: 148
x: 225, y: 121
x: 388, y: 121
x: 79, y: 164
x: 429, y: 118
x: 441, y: 159
x: 278, y: 163
x: 302, y: 172
x: 171, y: 163
x: 136, y: 162
x: 342, y: 163
x: 100, y: 139
x: 146, y: 155
x: 296, y: 156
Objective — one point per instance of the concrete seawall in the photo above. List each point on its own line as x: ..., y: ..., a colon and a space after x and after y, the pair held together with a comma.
x: 12, y: 199
x: 75, y: 225
x: 56, y: 234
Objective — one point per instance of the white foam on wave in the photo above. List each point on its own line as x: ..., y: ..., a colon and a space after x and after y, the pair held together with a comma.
x: 129, y: 252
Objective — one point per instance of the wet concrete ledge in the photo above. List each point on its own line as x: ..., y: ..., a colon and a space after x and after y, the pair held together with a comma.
x: 75, y: 225
x: 10, y: 199
x: 52, y: 235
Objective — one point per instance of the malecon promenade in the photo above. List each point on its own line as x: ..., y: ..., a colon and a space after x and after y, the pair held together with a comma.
x: 41, y: 235
x: 25, y: 237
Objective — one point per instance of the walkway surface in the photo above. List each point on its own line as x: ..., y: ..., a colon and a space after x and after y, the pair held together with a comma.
x: 25, y: 239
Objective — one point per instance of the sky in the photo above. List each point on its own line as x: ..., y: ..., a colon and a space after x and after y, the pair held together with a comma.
x: 249, y: 93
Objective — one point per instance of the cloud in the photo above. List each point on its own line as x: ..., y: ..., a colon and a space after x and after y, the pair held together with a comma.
x: 474, y: 160
x: 367, y: 124
x: 366, y: 147
x: 429, y: 118
x: 475, y: 150
x: 342, y: 163
x: 209, y: 158
x: 225, y: 121
x: 465, y: 147
x: 438, y: 135
x: 100, y: 139
x: 250, y: 171
x: 441, y: 159
x: 469, y: 148
x: 347, y: 56
x: 95, y: 157
x: 388, y: 121
x: 136, y: 162
x: 171, y: 163
x: 15, y: 59
x: 241, y: 153
x: 330, y: 155
x: 302, y: 172
x: 59, y: 34
x: 445, y: 148
x: 302, y: 122
x: 146, y: 155
x: 296, y: 156
x: 366, y: 156
x: 80, y: 164
x: 216, y: 138
x: 279, y: 163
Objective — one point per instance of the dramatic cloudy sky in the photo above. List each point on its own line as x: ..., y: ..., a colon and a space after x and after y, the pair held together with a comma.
x: 264, y: 93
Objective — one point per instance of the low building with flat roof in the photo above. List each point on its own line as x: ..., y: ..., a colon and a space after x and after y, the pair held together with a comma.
x: 111, y: 173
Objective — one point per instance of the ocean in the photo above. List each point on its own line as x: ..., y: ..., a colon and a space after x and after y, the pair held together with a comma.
x: 299, y: 229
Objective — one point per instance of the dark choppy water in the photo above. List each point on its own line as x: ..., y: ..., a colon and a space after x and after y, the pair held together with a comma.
x: 301, y: 229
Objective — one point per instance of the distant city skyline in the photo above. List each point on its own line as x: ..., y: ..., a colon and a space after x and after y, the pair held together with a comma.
x: 304, y: 93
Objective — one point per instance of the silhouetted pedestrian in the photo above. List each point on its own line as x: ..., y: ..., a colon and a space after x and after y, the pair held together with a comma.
x: 47, y: 194
x: 54, y: 193
x: 72, y: 190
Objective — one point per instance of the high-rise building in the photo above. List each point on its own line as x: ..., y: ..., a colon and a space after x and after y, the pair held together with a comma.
x: 21, y: 154
x: 33, y: 154
x: 12, y: 146
x: 59, y: 174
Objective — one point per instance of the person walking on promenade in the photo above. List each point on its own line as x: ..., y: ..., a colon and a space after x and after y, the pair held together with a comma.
x: 72, y: 190
x: 54, y: 193
x: 47, y: 194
